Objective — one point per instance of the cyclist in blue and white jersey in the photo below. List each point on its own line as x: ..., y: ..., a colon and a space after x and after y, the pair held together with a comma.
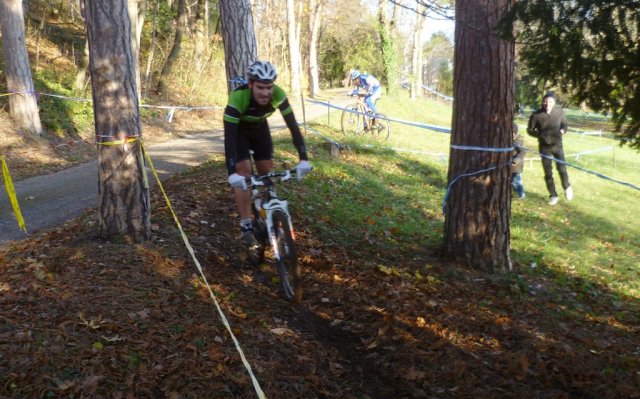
x: 368, y: 83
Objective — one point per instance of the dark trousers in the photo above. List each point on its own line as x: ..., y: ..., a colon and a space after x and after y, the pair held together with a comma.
x: 557, y: 152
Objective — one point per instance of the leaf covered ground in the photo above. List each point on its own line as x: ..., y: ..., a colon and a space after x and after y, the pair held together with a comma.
x: 82, y: 317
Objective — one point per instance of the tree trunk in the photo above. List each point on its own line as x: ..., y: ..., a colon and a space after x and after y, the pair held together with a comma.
x: 200, y: 37
x: 23, y: 104
x: 478, y: 207
x: 315, y: 13
x: 239, y: 39
x: 142, y: 14
x: 387, y: 48
x: 152, y: 50
x: 175, y: 50
x: 416, y: 59
x: 81, y: 74
x: 122, y: 186
x: 294, y: 47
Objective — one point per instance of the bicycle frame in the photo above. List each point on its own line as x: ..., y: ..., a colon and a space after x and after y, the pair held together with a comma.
x: 266, y: 202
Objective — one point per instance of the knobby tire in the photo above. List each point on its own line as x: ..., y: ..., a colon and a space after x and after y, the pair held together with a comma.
x: 257, y: 254
x: 382, y: 133
x: 352, y: 121
x: 288, y: 267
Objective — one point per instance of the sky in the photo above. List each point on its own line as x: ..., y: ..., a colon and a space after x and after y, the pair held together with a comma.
x: 437, y: 25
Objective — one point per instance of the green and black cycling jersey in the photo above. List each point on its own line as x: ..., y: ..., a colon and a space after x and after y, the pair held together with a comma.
x: 244, y: 116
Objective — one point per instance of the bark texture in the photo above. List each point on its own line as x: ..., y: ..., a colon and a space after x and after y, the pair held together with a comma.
x: 478, y: 208
x: 239, y: 39
x: 23, y: 105
x: 123, y: 189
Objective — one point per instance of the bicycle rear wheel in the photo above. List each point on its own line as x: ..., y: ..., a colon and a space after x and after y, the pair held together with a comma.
x: 382, y: 128
x: 351, y: 121
x: 287, y: 258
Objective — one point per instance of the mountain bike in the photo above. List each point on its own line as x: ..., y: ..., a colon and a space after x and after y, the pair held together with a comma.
x: 357, y: 119
x: 273, y: 227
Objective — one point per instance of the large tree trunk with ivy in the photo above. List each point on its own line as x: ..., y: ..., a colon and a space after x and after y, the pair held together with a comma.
x: 124, y: 206
x: 181, y: 24
x: 388, y: 49
x: 239, y: 39
x: 23, y: 101
x: 478, y: 207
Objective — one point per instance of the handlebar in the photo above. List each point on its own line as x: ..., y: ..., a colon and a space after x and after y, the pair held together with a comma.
x: 261, y: 180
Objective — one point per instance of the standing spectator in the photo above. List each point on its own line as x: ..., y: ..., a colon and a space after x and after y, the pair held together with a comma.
x: 548, y: 125
x: 517, y: 163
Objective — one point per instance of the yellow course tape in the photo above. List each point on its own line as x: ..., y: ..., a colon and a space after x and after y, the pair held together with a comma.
x: 8, y: 184
x: 256, y: 384
x: 118, y: 142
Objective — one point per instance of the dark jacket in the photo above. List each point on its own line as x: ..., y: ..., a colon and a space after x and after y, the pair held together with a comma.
x: 517, y: 163
x: 546, y: 126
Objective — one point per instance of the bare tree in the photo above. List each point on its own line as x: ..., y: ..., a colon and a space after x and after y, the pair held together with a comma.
x: 200, y: 36
x: 81, y: 73
x: 239, y: 38
x: 315, y: 13
x: 152, y: 48
x: 23, y: 103
x: 416, y: 59
x: 181, y: 24
x: 477, y: 211
x: 122, y: 186
x: 294, y: 47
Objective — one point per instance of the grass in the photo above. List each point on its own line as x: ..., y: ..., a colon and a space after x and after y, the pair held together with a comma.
x: 393, y: 199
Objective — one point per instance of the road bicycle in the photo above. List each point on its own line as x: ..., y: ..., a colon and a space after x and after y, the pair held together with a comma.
x: 273, y: 227
x: 357, y: 120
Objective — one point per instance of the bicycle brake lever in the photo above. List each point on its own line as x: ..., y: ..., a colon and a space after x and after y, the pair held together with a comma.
x: 286, y: 176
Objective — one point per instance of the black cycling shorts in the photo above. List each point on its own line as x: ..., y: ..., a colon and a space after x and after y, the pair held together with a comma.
x: 257, y: 139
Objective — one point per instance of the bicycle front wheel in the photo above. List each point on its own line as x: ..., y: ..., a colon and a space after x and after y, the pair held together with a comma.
x: 382, y: 128
x: 351, y: 121
x: 286, y: 257
x: 256, y: 255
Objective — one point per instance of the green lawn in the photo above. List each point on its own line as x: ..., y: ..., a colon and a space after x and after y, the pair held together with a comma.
x: 394, y: 198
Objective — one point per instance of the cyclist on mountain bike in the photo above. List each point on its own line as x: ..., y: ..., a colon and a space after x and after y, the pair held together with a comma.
x: 368, y: 83
x: 246, y: 128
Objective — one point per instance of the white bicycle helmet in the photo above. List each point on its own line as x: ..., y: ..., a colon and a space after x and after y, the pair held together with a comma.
x: 354, y: 74
x: 262, y: 71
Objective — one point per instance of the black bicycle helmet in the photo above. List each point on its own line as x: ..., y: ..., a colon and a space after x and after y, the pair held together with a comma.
x: 262, y: 71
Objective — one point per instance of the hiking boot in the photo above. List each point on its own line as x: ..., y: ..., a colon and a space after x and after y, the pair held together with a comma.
x: 553, y: 200
x: 568, y: 193
x: 249, y: 239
